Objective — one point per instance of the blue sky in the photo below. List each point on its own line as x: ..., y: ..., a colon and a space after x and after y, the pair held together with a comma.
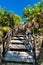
x: 17, y: 6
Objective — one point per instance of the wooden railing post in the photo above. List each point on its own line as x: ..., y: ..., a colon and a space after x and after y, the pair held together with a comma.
x: 35, y: 57
x: 3, y: 47
x: 34, y: 49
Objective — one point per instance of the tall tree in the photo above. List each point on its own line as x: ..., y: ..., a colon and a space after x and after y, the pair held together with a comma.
x: 34, y: 15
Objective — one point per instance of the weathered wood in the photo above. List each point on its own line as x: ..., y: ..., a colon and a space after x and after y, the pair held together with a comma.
x: 18, y: 38
x: 18, y: 41
x: 6, y: 41
x: 19, y: 56
x: 3, y: 48
x: 19, y: 35
x: 20, y: 47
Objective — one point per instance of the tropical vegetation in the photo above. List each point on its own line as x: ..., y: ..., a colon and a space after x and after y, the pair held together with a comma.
x: 8, y: 20
x: 34, y: 15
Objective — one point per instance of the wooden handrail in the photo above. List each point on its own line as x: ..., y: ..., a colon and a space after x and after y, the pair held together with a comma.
x: 6, y: 40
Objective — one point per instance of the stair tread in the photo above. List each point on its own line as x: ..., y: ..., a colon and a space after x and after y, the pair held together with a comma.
x: 18, y: 41
x: 22, y: 38
x: 19, y: 35
x: 19, y: 56
x: 19, y: 46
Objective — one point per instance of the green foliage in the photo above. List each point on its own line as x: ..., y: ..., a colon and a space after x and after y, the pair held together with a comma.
x: 34, y: 14
x: 8, y: 20
x: 1, y: 32
x: 6, y: 28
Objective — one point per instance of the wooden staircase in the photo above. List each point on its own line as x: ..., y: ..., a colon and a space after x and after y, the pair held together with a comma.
x: 19, y: 51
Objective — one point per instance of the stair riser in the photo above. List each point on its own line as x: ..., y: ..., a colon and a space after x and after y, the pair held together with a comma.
x: 19, y: 64
x: 20, y: 50
x: 17, y: 43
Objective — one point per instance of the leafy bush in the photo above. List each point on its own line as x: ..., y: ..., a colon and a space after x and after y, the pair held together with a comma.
x: 6, y: 28
x: 1, y: 32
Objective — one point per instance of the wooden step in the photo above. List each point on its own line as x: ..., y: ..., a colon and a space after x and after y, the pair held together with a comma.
x: 19, y: 41
x: 19, y: 47
x: 19, y: 35
x: 18, y: 56
x: 18, y: 38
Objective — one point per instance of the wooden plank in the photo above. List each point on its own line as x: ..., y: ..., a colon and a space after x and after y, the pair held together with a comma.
x: 19, y: 35
x: 18, y: 41
x: 18, y: 38
x: 19, y: 56
x: 20, y: 47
